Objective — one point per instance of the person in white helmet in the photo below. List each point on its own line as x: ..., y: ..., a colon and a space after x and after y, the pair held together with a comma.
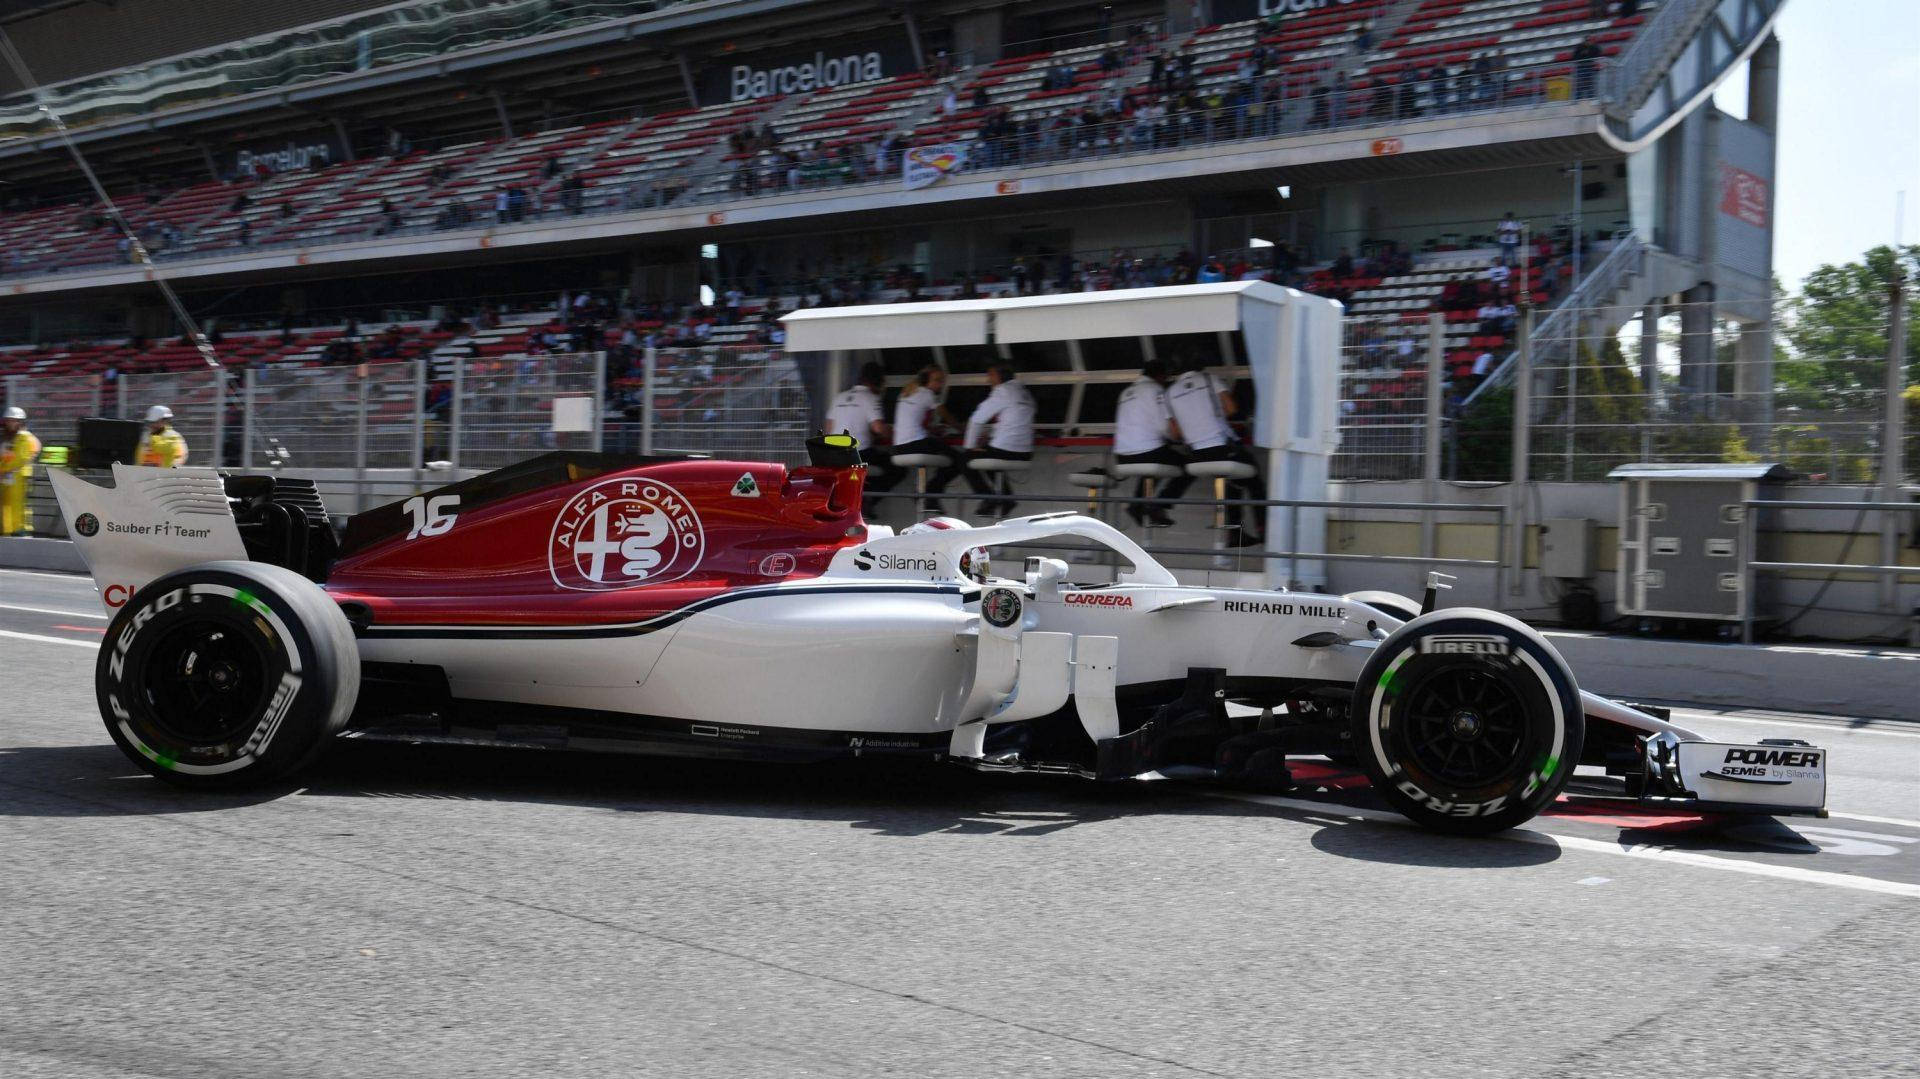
x: 161, y: 446
x: 18, y: 448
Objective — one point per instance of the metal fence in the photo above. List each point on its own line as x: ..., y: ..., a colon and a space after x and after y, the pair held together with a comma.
x: 511, y: 408
x: 366, y: 416
x: 1683, y: 383
x: 198, y: 400
x: 725, y: 400
x: 55, y: 404
x: 1384, y: 408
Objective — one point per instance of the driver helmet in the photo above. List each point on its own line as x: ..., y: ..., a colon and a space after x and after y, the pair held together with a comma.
x: 974, y: 563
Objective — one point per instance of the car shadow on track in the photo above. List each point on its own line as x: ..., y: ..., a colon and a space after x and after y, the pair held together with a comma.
x: 886, y: 798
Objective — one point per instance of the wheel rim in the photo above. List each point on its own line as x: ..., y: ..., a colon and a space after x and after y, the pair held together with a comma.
x: 205, y: 682
x: 1466, y: 726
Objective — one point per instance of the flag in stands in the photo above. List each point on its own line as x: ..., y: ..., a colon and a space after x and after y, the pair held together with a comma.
x: 925, y: 165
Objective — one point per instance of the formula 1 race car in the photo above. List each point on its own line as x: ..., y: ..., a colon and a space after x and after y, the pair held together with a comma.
x: 745, y: 610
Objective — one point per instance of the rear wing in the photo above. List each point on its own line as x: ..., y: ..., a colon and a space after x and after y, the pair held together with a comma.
x: 151, y: 522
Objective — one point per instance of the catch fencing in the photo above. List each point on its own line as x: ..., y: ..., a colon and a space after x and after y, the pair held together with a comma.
x: 473, y: 412
x: 512, y: 408
x: 199, y: 403
x: 1612, y: 387
x: 55, y: 404
x: 742, y: 401
x: 1385, y: 366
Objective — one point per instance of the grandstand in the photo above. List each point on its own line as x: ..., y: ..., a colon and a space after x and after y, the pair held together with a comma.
x: 1362, y: 149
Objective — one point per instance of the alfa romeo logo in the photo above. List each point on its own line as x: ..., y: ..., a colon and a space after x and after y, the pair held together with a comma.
x: 1000, y: 607
x: 86, y: 524
x: 623, y: 533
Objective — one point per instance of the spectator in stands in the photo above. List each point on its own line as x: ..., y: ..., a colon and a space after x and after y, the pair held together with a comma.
x: 1143, y: 433
x: 239, y: 204
x: 1409, y: 100
x: 245, y: 234
x: 1509, y: 231
x: 573, y: 193
x: 1497, y: 275
x: 1363, y: 39
x: 1586, y: 58
x: 161, y: 446
x: 1202, y: 405
x: 286, y: 209
x: 18, y: 448
x: 1322, y: 114
x: 980, y: 98
x: 1629, y: 8
x: 1482, y: 364
x: 551, y: 167
x: 502, y: 205
x: 388, y: 346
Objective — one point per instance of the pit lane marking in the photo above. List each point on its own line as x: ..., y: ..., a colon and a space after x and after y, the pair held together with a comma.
x: 48, y: 640
x: 1830, y: 728
x: 1649, y: 851
x: 1894, y: 821
x: 53, y: 610
x: 56, y: 576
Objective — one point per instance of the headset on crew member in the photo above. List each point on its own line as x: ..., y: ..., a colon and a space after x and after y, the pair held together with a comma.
x: 916, y: 414
x: 161, y: 446
x: 858, y: 412
x: 1009, y: 410
x: 1202, y: 404
x: 18, y: 448
x: 1144, y: 432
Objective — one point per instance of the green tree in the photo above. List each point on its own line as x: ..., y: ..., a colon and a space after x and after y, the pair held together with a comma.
x: 1837, y: 330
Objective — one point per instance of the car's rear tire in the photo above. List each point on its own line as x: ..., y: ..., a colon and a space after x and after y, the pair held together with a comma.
x: 227, y: 674
x: 1467, y: 721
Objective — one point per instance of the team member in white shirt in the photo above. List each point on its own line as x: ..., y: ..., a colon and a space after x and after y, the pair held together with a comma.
x: 916, y: 414
x: 857, y: 412
x: 1143, y: 433
x: 1009, y: 410
x: 1202, y: 404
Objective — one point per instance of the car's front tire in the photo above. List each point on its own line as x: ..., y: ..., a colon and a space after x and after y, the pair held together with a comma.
x: 227, y: 674
x: 1467, y: 721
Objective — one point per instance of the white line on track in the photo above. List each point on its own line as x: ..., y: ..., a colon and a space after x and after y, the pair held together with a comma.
x: 48, y: 640
x: 1599, y: 846
x: 80, y: 577
x: 53, y: 610
x: 1830, y: 728
x: 1895, y: 821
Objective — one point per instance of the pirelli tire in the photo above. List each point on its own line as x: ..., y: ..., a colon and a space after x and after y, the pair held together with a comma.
x: 227, y: 674
x: 1467, y: 721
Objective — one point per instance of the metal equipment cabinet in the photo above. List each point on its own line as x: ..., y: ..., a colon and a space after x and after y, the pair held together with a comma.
x: 1683, y: 534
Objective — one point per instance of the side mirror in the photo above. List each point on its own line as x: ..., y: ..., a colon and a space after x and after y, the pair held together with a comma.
x: 1045, y: 574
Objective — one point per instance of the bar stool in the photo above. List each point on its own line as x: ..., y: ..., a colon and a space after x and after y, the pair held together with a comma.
x: 1152, y: 473
x: 998, y: 468
x: 1220, y: 472
x: 1093, y: 481
x: 920, y: 462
